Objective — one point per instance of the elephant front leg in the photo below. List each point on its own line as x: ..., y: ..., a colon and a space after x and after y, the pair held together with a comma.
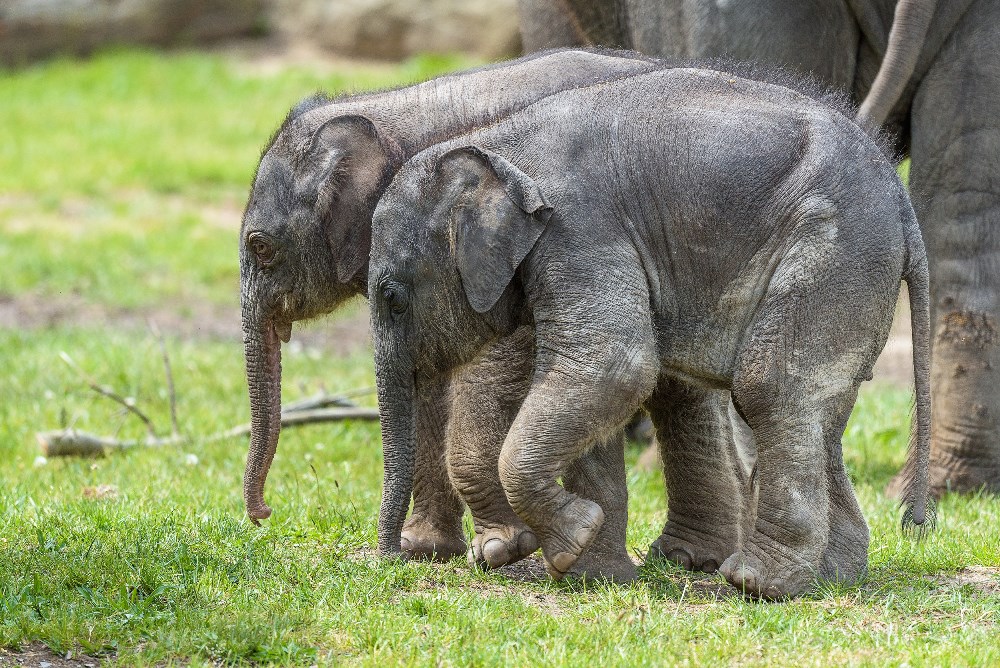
x: 580, y: 395
x: 599, y: 475
x: 707, y: 479
x: 486, y: 396
x: 434, y: 529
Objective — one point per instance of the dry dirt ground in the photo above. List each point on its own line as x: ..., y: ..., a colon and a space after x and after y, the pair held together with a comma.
x: 37, y: 655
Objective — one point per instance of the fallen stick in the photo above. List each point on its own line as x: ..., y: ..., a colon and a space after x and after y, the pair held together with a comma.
x: 301, y: 417
x: 76, y: 443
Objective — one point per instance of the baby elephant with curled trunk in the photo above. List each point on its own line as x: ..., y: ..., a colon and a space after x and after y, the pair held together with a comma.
x: 681, y: 228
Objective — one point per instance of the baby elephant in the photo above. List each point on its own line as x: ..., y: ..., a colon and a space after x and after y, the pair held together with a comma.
x: 678, y: 228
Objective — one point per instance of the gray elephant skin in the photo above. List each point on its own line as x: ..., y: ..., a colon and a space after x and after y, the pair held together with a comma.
x: 939, y: 91
x: 304, y: 246
x: 682, y: 228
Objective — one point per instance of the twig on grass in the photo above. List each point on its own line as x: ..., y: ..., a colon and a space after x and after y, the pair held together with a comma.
x: 106, y: 391
x: 76, y: 443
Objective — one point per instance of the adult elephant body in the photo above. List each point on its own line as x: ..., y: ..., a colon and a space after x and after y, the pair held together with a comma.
x: 946, y: 117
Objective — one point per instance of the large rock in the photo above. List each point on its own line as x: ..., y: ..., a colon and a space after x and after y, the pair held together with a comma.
x: 394, y: 29
x: 31, y: 29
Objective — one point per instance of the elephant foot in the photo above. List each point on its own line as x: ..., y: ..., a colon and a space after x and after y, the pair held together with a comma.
x: 690, y: 550
x: 571, y: 530
x: 770, y: 574
x: 845, y: 557
x: 421, y: 539
x: 499, y: 546
x: 596, y: 565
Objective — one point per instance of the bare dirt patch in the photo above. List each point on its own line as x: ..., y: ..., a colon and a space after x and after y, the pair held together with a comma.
x: 37, y: 655
x: 344, y: 335
x: 985, y: 579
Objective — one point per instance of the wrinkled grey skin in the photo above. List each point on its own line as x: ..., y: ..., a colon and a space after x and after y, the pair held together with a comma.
x: 947, y: 117
x: 733, y: 236
x: 304, y: 247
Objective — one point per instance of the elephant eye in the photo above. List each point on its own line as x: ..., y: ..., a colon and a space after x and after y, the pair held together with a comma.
x: 260, y: 247
x: 395, y: 298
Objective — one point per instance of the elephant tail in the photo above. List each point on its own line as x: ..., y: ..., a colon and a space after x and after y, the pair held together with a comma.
x: 910, y: 23
x: 919, y: 514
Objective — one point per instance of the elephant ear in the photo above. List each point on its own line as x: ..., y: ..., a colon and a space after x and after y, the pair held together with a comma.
x: 344, y: 167
x: 499, y: 217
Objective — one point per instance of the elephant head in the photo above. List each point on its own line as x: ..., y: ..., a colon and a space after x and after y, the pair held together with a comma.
x: 303, y: 250
x: 448, y: 238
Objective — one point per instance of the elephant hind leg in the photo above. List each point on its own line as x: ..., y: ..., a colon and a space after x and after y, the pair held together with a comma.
x: 706, y: 490
x: 795, y: 384
x: 485, y: 397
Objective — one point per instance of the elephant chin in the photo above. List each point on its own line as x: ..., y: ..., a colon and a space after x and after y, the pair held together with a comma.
x: 263, y: 362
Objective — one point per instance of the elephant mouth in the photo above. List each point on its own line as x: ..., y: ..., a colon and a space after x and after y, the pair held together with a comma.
x: 282, y: 329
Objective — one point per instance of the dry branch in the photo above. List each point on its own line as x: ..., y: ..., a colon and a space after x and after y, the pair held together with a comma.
x: 69, y: 442
x: 106, y: 391
x: 75, y: 443
x: 170, y: 378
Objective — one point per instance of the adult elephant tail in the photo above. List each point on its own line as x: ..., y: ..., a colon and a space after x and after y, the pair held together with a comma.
x: 915, y: 494
x: 906, y: 40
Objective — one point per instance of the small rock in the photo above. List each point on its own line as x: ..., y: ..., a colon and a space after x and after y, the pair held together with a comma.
x: 191, y: 459
x: 40, y: 461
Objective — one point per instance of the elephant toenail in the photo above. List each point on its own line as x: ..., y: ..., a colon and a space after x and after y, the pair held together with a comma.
x: 680, y: 557
x: 563, y: 561
x: 495, y: 552
x: 527, y: 543
x: 584, y: 536
x: 745, y: 579
x: 709, y: 566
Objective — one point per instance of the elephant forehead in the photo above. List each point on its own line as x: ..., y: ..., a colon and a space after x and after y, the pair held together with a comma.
x: 273, y: 190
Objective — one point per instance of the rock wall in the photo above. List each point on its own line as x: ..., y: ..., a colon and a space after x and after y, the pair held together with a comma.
x: 33, y: 29
x: 389, y: 29
x: 394, y: 29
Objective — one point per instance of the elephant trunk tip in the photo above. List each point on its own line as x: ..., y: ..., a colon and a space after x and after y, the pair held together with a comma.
x: 257, y: 510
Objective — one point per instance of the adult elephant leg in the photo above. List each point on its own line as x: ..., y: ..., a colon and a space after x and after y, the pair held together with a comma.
x: 485, y: 396
x: 955, y: 185
x: 708, y: 491
x: 434, y: 528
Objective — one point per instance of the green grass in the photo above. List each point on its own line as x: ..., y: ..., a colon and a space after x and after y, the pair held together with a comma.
x: 167, y: 570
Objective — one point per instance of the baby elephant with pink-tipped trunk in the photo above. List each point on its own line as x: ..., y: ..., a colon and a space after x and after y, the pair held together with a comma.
x: 665, y: 235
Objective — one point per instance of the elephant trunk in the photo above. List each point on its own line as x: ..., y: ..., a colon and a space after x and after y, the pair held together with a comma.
x: 263, y: 361
x: 396, y: 396
x: 906, y: 40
